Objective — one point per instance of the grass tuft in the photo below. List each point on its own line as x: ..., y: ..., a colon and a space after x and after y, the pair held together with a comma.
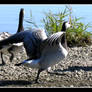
x: 77, y: 35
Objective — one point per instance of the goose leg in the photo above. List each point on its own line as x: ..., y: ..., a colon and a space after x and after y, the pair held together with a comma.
x: 39, y: 71
x: 3, y: 63
x: 12, y: 55
x: 19, y: 64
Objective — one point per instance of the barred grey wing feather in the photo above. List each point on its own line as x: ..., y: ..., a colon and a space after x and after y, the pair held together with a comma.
x: 52, y: 40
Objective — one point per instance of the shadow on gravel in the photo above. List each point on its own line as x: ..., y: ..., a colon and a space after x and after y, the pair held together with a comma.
x: 73, y: 68
x: 14, y: 82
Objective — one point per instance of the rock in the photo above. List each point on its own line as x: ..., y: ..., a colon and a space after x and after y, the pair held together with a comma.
x: 17, y: 49
x: 74, y: 71
x: 4, y: 35
x: 71, y: 86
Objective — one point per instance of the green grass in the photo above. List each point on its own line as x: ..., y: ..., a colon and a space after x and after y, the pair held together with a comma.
x: 53, y: 22
x: 77, y: 35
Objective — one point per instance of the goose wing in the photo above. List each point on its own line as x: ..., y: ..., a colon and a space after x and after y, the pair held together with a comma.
x: 30, y: 38
x: 39, y: 34
x: 32, y: 42
x: 52, y: 40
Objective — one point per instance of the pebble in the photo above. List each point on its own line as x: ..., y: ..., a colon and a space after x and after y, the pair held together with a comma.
x: 77, y: 56
x: 71, y: 86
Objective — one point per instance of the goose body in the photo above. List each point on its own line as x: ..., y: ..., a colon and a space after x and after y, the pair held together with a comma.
x: 42, y: 51
x: 31, y: 40
x: 51, y: 54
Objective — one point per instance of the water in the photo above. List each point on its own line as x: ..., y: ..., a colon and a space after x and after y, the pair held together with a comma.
x: 9, y: 14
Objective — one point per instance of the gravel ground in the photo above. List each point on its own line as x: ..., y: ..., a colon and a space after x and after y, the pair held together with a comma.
x: 74, y: 71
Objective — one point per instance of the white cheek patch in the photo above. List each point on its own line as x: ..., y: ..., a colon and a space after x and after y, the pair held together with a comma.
x: 68, y: 25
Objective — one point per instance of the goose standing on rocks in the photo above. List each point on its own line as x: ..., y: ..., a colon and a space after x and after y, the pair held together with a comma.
x: 13, y: 47
x: 42, y: 51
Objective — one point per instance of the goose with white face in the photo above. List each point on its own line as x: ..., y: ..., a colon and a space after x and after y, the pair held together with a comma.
x: 68, y: 25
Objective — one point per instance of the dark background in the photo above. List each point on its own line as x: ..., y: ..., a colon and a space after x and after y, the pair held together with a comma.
x: 45, y: 1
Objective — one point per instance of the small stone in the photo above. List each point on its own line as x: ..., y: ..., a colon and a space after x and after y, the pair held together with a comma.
x: 71, y: 86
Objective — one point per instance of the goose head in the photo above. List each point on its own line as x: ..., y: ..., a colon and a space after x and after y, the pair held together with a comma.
x: 65, y: 26
x: 22, y: 12
x: 21, y: 16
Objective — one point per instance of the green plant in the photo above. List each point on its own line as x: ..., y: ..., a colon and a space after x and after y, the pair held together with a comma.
x: 53, y: 22
x: 77, y: 35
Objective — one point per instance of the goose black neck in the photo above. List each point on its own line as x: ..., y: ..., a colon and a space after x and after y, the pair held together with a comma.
x: 21, y: 16
x: 64, y: 41
x: 63, y: 27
